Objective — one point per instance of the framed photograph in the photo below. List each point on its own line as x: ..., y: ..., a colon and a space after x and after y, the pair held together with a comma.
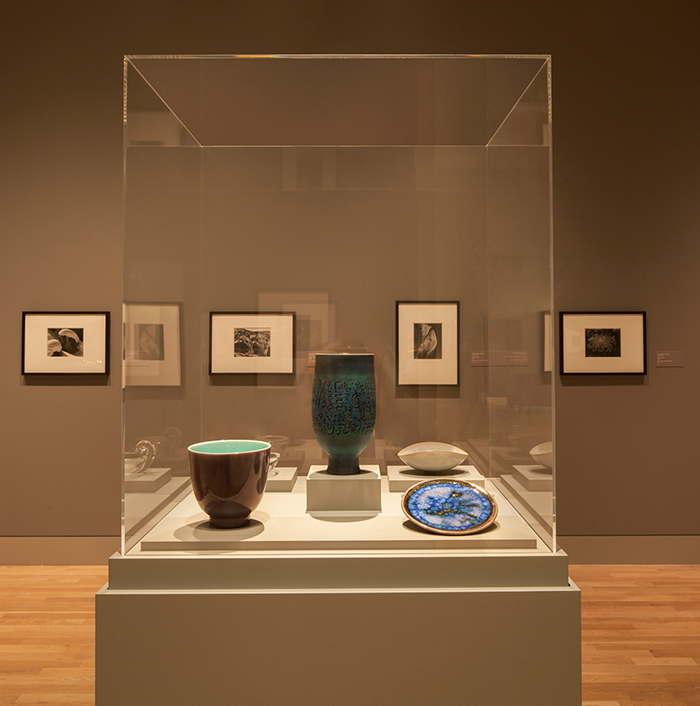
x: 152, y: 344
x: 65, y: 342
x: 603, y: 342
x: 427, y: 343
x: 251, y: 342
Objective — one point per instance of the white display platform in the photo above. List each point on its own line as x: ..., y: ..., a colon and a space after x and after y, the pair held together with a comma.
x: 360, y: 492
x: 496, y: 647
x: 281, y: 480
x: 199, y: 616
x: 147, y: 482
x: 139, y: 508
x: 401, y: 478
x: 534, y: 477
x: 281, y: 522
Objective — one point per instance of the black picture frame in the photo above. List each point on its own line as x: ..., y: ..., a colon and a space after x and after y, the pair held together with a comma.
x: 427, y: 343
x: 65, y: 342
x: 243, y: 342
x: 602, y: 343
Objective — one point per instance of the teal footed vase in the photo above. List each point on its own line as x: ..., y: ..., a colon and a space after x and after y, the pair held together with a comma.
x: 343, y: 408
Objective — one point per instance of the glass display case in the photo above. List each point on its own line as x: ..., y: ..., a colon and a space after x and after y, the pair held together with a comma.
x: 361, y: 194
x: 282, y: 212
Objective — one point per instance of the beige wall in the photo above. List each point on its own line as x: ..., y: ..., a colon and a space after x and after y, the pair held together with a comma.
x: 627, y: 171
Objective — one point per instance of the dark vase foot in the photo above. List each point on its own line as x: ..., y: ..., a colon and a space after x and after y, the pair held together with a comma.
x: 343, y: 466
x: 228, y: 522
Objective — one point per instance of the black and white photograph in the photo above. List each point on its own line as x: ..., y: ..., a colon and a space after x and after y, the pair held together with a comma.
x: 251, y: 342
x: 427, y: 343
x: 152, y: 344
x: 602, y: 342
x: 151, y: 341
x: 65, y: 342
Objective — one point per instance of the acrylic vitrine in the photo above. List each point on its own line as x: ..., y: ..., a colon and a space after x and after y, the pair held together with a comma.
x: 392, y: 205
x: 352, y: 192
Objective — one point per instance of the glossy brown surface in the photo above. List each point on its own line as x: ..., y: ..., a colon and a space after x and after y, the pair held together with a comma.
x: 228, y: 487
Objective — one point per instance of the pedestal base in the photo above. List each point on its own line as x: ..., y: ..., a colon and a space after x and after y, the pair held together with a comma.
x: 533, y: 478
x: 308, y: 647
x: 331, y: 493
x: 281, y: 480
x: 147, y: 482
x: 322, y: 597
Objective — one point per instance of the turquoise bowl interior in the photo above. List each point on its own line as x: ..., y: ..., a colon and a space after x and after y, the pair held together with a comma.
x: 228, y: 446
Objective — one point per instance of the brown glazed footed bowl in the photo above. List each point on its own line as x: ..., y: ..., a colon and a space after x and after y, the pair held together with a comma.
x: 228, y: 477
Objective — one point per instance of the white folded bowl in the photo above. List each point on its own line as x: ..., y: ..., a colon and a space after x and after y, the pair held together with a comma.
x: 543, y: 454
x: 432, y: 456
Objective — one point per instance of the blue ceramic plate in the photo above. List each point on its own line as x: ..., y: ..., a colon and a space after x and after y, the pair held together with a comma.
x: 449, y: 506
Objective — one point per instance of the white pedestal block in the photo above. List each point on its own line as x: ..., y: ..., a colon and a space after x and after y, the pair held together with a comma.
x: 401, y: 478
x: 497, y: 647
x: 533, y: 477
x: 148, y: 482
x: 329, y: 493
x: 293, y: 614
x: 281, y: 480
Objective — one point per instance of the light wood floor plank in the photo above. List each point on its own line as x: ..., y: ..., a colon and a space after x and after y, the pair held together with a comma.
x: 640, y: 637
x: 47, y: 634
x: 652, y: 609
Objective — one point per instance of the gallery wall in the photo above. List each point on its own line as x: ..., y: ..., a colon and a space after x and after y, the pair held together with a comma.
x: 626, y: 220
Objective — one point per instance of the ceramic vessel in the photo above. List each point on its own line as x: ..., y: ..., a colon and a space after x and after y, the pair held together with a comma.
x: 228, y: 477
x: 432, y: 456
x: 449, y: 506
x: 543, y: 454
x: 343, y: 408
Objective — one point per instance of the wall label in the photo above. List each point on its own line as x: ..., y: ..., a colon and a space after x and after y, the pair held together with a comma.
x: 499, y: 358
x: 669, y: 359
x: 480, y: 359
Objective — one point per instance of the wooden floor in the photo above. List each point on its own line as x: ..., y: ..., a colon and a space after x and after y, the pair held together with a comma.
x: 47, y: 634
x: 641, y: 634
